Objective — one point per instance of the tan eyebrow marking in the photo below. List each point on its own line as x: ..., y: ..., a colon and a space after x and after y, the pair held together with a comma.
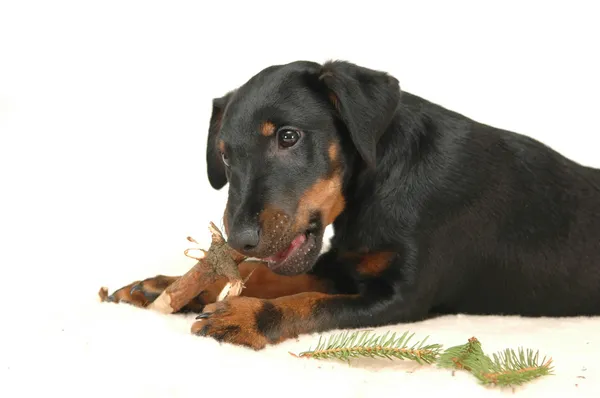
x: 267, y: 129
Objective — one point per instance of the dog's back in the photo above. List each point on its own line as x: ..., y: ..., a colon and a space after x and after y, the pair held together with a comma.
x: 511, y: 226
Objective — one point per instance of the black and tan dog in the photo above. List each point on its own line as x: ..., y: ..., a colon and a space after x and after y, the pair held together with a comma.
x: 433, y: 213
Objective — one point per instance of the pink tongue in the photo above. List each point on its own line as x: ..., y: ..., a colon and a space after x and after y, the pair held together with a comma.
x: 297, y: 242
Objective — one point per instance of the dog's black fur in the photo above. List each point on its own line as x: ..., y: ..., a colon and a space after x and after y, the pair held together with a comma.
x: 438, y: 213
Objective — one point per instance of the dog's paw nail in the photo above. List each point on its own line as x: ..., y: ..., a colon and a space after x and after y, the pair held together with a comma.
x: 136, y: 288
x: 202, y: 331
x: 204, y: 315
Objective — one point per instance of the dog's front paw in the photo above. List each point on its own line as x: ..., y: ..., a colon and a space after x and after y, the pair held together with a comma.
x: 244, y: 321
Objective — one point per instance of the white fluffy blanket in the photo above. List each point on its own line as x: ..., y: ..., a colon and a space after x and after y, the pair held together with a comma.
x: 109, y: 350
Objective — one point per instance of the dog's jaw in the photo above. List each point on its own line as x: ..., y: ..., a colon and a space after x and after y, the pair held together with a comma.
x: 299, y: 257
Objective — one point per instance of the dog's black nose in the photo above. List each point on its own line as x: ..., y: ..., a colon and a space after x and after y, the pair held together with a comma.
x: 244, y: 238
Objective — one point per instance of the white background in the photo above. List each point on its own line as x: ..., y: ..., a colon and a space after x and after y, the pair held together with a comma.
x: 104, y: 109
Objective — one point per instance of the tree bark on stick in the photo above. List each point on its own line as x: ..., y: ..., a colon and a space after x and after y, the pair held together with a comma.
x: 219, y: 261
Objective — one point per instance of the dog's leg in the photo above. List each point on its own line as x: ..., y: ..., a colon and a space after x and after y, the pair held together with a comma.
x: 257, y: 322
x: 371, y: 295
x: 141, y: 293
x: 261, y: 282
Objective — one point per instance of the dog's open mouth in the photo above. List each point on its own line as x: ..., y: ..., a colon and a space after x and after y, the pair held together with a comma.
x: 299, y: 256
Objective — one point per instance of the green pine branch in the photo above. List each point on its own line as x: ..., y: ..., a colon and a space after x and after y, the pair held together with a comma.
x: 505, y: 368
x: 345, y: 346
x: 510, y: 368
x: 467, y: 356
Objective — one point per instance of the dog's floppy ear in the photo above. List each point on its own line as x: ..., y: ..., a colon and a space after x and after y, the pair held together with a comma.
x: 365, y: 100
x: 214, y: 164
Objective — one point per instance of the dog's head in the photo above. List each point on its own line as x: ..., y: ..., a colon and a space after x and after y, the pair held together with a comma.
x: 284, y: 142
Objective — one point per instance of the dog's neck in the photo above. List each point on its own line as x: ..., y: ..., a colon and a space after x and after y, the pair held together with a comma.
x: 406, y: 152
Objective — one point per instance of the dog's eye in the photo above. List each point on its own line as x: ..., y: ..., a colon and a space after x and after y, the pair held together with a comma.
x: 288, y: 138
x: 225, y: 159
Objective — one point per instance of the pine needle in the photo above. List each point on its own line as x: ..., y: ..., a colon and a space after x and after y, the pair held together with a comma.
x: 514, y: 368
x: 348, y: 345
x: 467, y: 357
x: 505, y: 368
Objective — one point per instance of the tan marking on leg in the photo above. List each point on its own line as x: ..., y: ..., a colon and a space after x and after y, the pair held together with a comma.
x: 373, y: 264
x: 300, y: 312
x: 265, y: 284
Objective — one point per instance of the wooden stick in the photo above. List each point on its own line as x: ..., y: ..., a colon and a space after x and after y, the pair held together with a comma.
x: 220, y: 260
